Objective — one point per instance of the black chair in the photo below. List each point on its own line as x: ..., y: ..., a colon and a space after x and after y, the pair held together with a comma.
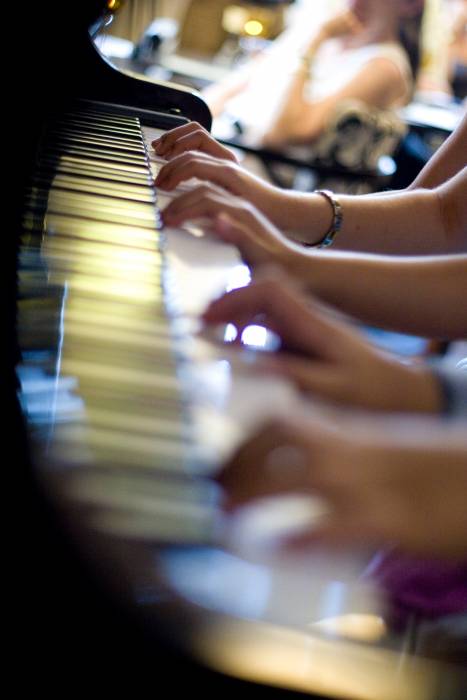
x: 355, y: 155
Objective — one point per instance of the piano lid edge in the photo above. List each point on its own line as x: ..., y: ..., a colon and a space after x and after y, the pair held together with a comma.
x: 122, y: 86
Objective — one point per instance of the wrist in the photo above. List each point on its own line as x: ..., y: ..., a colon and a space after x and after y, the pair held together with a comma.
x: 310, y: 51
x: 310, y: 269
x: 321, y: 36
x: 431, y: 396
x: 307, y: 217
x: 285, y: 208
x: 422, y: 393
x: 452, y: 386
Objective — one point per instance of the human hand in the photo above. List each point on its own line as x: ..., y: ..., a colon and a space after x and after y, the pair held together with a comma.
x: 342, y: 24
x: 383, y: 483
x: 323, y: 355
x: 226, y: 174
x: 235, y: 221
x: 190, y: 137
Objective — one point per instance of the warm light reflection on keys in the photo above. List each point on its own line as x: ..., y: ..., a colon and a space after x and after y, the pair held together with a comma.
x: 102, y: 358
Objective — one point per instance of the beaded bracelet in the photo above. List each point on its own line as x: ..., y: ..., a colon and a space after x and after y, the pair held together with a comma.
x: 336, y: 223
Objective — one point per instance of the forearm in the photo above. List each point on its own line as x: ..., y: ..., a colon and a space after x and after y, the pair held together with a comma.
x: 403, y: 223
x: 418, y: 295
x: 218, y: 93
x: 284, y: 127
x: 448, y: 160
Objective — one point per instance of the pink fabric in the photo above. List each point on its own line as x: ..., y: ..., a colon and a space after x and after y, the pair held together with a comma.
x: 426, y: 588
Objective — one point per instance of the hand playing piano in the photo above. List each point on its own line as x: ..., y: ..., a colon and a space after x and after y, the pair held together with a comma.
x: 322, y: 354
x: 380, y: 480
x: 235, y: 221
x: 190, y: 137
x: 193, y: 153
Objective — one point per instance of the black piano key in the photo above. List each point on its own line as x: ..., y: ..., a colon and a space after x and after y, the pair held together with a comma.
x: 87, y: 210
x: 100, y: 126
x: 64, y: 186
x: 100, y: 134
x: 91, y: 231
x: 100, y: 171
x: 97, y: 162
x: 106, y: 116
x: 109, y: 188
x: 99, y: 241
x: 92, y: 143
x: 105, y: 154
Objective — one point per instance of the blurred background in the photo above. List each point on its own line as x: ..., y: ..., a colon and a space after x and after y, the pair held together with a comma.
x: 198, y: 43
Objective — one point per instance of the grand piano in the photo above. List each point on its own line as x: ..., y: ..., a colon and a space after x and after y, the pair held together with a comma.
x: 123, y: 577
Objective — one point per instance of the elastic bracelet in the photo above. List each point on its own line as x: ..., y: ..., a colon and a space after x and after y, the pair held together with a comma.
x: 447, y: 392
x: 337, y: 218
x: 452, y: 384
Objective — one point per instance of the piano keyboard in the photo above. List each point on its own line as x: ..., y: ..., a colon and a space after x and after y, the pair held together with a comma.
x: 126, y: 406
x: 130, y: 413
x: 100, y: 376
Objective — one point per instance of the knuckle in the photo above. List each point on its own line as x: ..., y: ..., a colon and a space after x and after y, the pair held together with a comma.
x: 200, y: 133
x: 190, y: 158
x: 269, y: 285
x: 203, y: 192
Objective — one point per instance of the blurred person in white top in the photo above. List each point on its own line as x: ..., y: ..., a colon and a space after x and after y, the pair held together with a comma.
x: 367, y: 51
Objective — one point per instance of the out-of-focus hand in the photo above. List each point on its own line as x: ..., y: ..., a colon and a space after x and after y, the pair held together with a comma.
x: 235, y: 221
x: 190, y: 137
x: 323, y: 355
x: 226, y: 174
x: 384, y: 483
x: 341, y: 24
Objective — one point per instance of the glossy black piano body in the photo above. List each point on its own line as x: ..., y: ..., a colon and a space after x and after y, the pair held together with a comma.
x: 73, y: 630
x: 74, y: 626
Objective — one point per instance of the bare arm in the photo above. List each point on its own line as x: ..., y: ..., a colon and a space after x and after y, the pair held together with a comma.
x: 419, y: 295
x: 418, y: 221
x: 379, y: 83
x: 410, y: 222
x: 423, y: 295
x: 449, y: 159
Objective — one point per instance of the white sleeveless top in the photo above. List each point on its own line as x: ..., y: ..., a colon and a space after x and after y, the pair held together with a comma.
x: 332, y: 68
